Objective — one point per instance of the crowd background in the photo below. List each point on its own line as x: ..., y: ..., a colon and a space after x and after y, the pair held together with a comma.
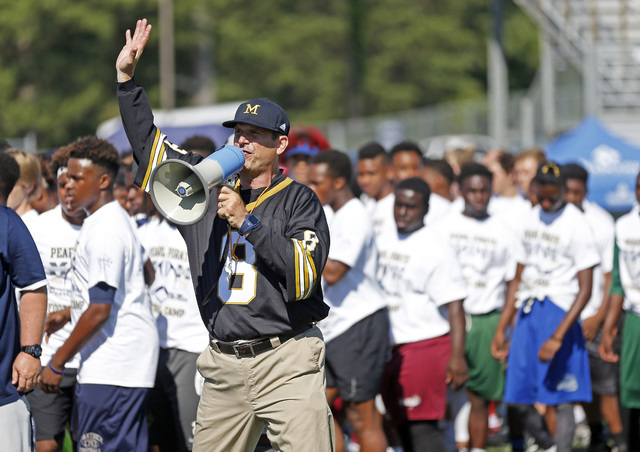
x: 398, y: 57
x: 373, y: 175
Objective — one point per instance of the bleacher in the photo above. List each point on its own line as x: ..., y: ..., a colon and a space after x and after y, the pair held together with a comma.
x: 601, y: 39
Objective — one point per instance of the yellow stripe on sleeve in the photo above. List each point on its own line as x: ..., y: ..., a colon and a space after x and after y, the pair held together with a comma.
x: 305, y: 270
x: 295, y: 268
x: 150, y: 165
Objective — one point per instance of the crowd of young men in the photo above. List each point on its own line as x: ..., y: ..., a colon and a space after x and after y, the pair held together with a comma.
x: 439, y: 291
x: 385, y: 301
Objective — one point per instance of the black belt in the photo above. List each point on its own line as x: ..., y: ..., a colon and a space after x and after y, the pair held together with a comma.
x: 253, y: 348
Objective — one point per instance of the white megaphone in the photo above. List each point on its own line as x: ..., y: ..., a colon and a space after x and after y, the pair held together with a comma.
x: 180, y: 191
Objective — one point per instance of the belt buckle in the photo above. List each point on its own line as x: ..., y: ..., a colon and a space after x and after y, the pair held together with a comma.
x: 237, y: 353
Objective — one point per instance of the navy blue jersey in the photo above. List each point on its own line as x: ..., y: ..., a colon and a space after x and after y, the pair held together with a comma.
x: 21, y: 268
x: 246, y: 287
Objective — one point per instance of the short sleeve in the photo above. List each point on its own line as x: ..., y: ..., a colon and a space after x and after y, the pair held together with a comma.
x: 583, y: 247
x: 23, y: 259
x: 445, y: 282
x: 347, y: 241
x: 606, y: 245
x: 515, y: 254
x: 108, y: 256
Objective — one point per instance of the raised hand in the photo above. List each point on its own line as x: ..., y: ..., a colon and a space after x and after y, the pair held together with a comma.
x: 132, y: 50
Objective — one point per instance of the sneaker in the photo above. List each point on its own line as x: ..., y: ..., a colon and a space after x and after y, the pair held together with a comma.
x: 582, y: 436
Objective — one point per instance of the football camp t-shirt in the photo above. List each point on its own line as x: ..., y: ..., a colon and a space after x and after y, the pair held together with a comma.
x: 125, y: 351
x: 628, y: 241
x: 486, y: 250
x: 557, y: 246
x: 56, y: 240
x: 603, y: 228
x: 173, y: 299
x: 357, y: 294
x: 420, y: 275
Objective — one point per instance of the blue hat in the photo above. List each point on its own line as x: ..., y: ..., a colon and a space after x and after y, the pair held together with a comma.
x: 301, y: 149
x: 261, y: 113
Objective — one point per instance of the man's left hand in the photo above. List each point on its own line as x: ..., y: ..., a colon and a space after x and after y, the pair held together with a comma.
x: 25, y: 373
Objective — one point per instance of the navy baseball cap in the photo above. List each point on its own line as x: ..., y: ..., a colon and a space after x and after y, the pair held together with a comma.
x: 261, y: 113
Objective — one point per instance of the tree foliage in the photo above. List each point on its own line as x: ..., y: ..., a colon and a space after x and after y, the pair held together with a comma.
x: 57, y: 76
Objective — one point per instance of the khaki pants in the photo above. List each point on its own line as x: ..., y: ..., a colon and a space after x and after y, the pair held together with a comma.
x: 283, y: 389
x: 16, y: 427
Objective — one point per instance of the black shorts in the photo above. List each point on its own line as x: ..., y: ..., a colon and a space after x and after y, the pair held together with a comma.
x: 51, y: 412
x: 173, y: 402
x: 355, y: 360
x: 605, y: 376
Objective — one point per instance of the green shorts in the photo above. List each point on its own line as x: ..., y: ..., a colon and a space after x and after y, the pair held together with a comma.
x: 630, y: 362
x: 486, y: 374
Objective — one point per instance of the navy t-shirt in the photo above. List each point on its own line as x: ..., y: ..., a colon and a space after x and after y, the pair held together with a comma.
x: 21, y: 268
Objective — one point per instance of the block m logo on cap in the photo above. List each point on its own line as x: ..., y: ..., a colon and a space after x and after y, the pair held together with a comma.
x: 251, y: 109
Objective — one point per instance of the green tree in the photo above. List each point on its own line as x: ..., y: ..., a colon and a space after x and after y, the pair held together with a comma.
x: 57, y: 76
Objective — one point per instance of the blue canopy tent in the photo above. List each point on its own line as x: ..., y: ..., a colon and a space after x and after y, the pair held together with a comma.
x: 178, y: 124
x: 612, y: 163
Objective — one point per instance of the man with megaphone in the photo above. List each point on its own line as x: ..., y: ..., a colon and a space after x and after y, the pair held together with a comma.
x: 256, y: 259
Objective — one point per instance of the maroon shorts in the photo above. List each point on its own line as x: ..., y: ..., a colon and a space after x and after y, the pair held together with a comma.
x: 413, y: 386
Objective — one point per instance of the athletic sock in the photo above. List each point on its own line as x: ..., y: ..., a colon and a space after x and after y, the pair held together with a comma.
x: 565, y: 427
x: 534, y: 423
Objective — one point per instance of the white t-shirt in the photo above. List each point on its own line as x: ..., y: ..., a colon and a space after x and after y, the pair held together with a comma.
x: 420, y: 275
x: 369, y: 203
x: 557, y: 246
x: 382, y: 217
x: 511, y: 210
x: 384, y: 221
x: 439, y: 208
x: 603, y: 228
x: 30, y: 217
x: 56, y: 240
x: 486, y: 250
x: 357, y: 294
x: 125, y: 350
x: 628, y: 240
x: 173, y: 299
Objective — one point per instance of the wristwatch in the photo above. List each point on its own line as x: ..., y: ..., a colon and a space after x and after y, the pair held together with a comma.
x: 33, y: 350
x: 250, y: 223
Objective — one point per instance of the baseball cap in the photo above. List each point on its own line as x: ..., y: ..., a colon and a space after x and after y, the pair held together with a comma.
x: 550, y: 173
x: 263, y: 113
x: 301, y: 149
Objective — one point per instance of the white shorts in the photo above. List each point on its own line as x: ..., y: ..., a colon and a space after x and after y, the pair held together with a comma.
x: 16, y: 426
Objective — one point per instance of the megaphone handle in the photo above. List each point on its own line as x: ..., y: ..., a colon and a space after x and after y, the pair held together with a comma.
x: 230, y: 182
